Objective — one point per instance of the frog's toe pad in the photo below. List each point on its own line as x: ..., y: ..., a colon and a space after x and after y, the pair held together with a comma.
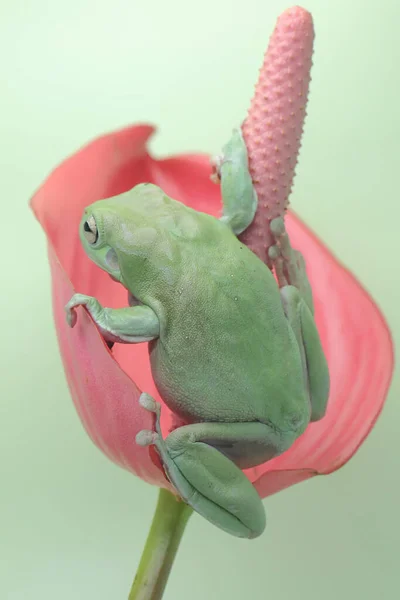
x: 70, y: 314
x: 277, y: 227
x: 146, y: 437
x: 148, y: 403
x: 274, y: 253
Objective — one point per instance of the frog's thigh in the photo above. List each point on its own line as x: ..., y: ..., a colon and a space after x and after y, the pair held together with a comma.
x: 314, y: 361
x: 209, y: 481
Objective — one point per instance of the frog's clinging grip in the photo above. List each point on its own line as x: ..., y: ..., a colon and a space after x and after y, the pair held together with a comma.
x: 125, y: 325
x: 239, y: 196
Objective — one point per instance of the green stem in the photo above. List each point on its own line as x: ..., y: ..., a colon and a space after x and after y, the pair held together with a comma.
x: 162, y: 543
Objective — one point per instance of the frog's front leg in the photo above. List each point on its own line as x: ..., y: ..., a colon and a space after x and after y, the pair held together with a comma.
x: 239, y: 197
x: 297, y: 301
x: 197, y: 460
x: 127, y: 325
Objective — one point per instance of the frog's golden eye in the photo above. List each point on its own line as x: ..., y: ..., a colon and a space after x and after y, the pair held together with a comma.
x: 90, y: 230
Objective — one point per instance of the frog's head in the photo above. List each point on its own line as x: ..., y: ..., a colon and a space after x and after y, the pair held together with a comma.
x: 120, y: 234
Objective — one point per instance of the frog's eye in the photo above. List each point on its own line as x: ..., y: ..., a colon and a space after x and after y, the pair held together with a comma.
x: 90, y: 230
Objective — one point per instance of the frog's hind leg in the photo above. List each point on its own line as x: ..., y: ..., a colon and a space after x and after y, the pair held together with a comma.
x: 297, y: 302
x: 290, y: 267
x: 197, y: 461
x: 316, y: 374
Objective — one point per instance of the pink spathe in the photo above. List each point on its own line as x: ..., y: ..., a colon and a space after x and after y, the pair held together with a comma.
x: 105, y: 385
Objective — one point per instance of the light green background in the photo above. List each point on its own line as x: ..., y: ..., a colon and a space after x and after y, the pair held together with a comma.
x: 72, y: 525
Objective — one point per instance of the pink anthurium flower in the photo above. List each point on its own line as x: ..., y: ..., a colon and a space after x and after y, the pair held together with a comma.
x: 106, y: 384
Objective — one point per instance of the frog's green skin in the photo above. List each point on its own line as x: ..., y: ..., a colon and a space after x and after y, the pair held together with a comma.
x: 233, y: 353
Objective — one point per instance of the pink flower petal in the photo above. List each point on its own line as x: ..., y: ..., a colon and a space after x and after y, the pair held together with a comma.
x: 105, y: 397
x: 106, y: 385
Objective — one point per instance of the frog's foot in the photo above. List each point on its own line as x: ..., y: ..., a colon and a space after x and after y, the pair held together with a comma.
x: 130, y: 325
x: 289, y: 264
x: 147, y: 437
x: 92, y: 305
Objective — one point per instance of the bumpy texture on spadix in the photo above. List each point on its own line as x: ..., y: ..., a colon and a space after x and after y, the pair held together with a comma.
x: 273, y: 128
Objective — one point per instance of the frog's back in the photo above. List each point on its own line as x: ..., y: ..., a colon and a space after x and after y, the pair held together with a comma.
x: 224, y: 336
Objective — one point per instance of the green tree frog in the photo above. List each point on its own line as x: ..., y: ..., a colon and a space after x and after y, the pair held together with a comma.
x: 234, y: 352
